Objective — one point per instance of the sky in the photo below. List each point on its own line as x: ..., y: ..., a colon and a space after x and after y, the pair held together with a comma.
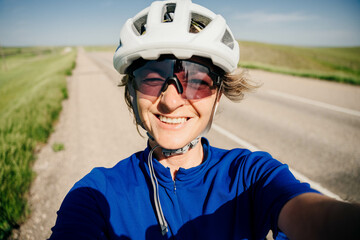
x: 96, y: 22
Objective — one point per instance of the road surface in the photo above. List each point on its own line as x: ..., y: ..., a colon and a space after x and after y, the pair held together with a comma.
x: 311, y: 125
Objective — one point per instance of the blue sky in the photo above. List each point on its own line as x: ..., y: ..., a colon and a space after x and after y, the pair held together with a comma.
x: 95, y: 22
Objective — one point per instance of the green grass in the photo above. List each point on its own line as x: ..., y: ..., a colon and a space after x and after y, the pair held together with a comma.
x: 57, y: 147
x: 32, y: 86
x: 334, y: 64
x: 109, y: 48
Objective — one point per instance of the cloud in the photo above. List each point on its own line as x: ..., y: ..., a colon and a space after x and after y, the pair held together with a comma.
x: 261, y: 17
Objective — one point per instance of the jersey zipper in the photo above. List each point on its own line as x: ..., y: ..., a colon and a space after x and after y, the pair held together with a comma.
x: 174, y: 187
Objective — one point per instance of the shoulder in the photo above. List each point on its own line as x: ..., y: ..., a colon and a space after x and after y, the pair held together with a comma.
x: 245, y: 159
x: 101, y: 178
x: 250, y: 167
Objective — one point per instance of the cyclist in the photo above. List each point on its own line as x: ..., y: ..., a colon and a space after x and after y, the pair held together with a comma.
x: 179, y: 58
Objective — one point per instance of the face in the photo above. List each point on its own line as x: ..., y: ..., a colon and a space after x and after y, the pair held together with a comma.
x: 171, y: 118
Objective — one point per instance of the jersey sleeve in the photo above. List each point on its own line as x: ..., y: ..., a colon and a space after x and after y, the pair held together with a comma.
x: 271, y: 185
x: 83, y: 214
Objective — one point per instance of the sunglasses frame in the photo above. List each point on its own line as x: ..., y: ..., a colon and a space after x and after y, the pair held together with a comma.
x: 215, y: 71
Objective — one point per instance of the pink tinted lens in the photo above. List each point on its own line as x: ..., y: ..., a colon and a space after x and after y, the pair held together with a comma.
x: 196, y: 79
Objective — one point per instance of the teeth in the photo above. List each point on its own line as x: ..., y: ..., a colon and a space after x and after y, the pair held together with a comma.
x: 172, y: 120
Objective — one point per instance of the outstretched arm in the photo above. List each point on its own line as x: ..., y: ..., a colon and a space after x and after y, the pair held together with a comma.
x: 82, y: 215
x: 314, y: 216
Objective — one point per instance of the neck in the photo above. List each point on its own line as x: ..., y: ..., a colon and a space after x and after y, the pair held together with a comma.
x: 192, y: 158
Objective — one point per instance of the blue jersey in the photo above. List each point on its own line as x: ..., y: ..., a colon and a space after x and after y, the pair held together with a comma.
x: 233, y: 194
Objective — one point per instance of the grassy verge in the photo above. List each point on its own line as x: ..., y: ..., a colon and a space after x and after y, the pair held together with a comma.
x: 32, y: 86
x: 334, y: 64
x: 109, y: 48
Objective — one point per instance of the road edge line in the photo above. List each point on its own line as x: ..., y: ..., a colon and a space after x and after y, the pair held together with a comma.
x: 315, y: 103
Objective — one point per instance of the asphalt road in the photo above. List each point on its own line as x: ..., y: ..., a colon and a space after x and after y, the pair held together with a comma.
x: 311, y: 125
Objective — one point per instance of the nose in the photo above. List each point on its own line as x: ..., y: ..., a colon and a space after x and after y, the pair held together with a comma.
x: 175, y: 81
x: 171, y: 99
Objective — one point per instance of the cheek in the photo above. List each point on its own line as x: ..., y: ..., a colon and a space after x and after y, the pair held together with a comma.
x: 204, y: 107
x: 141, y: 96
x: 145, y: 101
x: 144, y: 105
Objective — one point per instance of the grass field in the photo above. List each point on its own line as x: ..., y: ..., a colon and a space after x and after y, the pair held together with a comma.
x: 334, y: 64
x: 100, y: 48
x: 32, y: 85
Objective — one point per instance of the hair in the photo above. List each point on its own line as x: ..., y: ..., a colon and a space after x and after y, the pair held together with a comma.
x: 234, y: 87
x: 125, y: 80
x: 237, y: 83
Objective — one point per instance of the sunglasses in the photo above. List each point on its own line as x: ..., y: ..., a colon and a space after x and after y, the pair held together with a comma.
x: 192, y: 80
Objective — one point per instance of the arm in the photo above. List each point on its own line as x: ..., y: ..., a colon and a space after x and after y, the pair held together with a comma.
x: 82, y: 215
x: 314, y: 216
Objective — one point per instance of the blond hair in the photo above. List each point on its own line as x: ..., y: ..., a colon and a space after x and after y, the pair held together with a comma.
x: 237, y: 83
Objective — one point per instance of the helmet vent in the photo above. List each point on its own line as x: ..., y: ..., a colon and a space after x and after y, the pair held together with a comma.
x: 228, y: 40
x: 169, y: 12
x: 120, y: 44
x: 140, y: 25
x: 198, y: 22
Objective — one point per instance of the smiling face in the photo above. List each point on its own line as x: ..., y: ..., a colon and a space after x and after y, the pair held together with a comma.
x: 170, y: 118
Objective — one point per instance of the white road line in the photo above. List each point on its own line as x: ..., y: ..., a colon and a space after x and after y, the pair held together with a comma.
x: 315, y: 103
x: 251, y: 147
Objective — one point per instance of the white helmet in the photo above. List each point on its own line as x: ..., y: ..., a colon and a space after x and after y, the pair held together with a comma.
x: 166, y: 27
